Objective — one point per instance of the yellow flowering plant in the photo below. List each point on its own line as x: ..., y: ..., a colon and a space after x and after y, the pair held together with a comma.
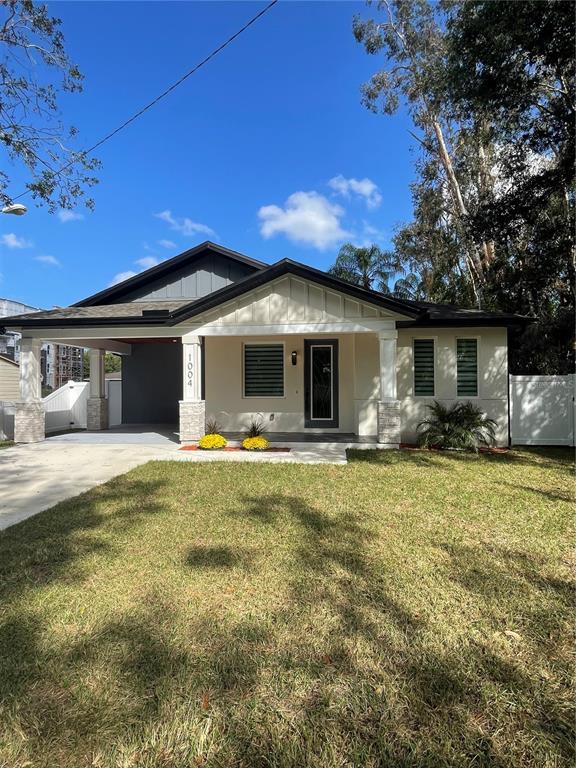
x: 255, y: 443
x: 212, y: 442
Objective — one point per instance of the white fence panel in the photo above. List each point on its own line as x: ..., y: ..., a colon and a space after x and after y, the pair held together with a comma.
x: 542, y: 410
x: 6, y: 420
x: 114, y: 395
x: 66, y: 407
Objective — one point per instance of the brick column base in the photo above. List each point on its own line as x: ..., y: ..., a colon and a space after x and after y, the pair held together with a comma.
x: 29, y: 422
x: 389, y: 422
x: 97, y: 414
x: 192, y: 420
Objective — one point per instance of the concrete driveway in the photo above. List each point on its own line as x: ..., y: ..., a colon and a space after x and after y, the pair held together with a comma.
x: 37, y: 476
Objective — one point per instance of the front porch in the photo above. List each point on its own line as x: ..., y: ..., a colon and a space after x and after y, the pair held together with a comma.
x: 321, y: 387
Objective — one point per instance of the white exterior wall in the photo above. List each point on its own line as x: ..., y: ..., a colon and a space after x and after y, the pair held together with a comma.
x: 224, y: 395
x: 492, y: 375
x: 359, y: 381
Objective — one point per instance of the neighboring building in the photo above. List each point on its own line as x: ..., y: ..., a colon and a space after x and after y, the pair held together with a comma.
x: 59, y: 363
x: 9, y: 379
x: 215, y: 334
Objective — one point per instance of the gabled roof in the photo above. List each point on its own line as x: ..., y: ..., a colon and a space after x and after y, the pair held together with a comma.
x: 142, y: 279
x: 289, y: 267
x: 95, y: 312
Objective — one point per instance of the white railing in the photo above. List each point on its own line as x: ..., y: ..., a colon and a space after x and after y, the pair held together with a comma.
x: 542, y: 410
x: 66, y: 407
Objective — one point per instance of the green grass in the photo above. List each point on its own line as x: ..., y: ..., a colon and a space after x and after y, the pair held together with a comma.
x: 410, y: 609
x: 6, y: 444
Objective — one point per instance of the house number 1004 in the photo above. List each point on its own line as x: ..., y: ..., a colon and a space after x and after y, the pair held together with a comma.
x: 190, y: 368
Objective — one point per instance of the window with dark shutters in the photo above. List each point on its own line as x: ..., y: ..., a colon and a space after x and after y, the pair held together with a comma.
x: 467, y: 367
x: 263, y: 370
x: 424, y: 367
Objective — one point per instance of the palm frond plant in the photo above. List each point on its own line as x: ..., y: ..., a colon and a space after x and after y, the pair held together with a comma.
x: 213, y: 427
x: 461, y: 426
x: 256, y: 428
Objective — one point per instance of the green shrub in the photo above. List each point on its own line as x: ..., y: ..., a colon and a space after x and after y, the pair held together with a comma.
x: 462, y: 426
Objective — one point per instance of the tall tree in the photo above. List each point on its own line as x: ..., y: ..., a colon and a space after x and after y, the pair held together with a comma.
x: 410, y: 40
x: 490, y: 87
x: 34, y: 66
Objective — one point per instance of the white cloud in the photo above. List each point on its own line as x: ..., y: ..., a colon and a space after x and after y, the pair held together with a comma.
x: 65, y: 216
x: 167, y: 244
x: 121, y: 276
x: 10, y: 240
x: 52, y: 261
x: 185, y: 226
x: 364, y: 188
x: 307, y: 217
x: 146, y: 262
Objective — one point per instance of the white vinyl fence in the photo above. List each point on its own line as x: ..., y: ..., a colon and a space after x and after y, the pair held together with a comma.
x: 114, y: 395
x: 542, y: 410
x: 66, y: 407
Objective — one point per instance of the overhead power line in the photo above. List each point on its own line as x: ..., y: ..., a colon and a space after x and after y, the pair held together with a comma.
x: 164, y: 93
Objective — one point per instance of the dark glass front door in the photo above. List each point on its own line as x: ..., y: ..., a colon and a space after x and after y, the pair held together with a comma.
x: 321, y: 383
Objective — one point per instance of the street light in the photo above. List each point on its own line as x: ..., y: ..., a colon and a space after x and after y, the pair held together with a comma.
x: 16, y: 209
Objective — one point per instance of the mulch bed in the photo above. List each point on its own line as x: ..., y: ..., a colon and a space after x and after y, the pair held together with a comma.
x: 232, y: 449
x: 415, y: 447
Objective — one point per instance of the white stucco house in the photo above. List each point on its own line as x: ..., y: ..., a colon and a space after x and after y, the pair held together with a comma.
x: 212, y: 333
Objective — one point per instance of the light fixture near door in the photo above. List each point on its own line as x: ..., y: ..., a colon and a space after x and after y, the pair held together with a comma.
x: 294, y: 357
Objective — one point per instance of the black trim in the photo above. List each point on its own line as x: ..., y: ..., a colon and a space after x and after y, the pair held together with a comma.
x: 165, y: 268
x: 309, y: 422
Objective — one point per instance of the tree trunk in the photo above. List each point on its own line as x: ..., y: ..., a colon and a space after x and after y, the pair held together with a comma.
x: 474, y: 261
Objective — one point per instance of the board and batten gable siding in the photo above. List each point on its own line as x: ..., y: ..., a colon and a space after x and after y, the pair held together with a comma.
x: 9, y: 380
x: 291, y: 300
x: 206, y: 275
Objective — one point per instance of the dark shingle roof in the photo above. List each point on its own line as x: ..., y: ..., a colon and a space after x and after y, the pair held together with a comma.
x: 129, y: 310
x: 172, y: 312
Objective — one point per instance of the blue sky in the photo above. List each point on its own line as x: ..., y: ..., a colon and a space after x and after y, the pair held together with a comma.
x: 266, y: 150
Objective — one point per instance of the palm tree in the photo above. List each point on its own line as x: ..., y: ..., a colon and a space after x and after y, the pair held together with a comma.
x: 364, y: 266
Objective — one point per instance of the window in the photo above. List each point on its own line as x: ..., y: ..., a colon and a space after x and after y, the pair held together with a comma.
x: 467, y: 367
x: 424, y: 367
x: 263, y: 370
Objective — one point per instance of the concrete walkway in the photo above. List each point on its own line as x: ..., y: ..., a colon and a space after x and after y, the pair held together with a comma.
x: 38, y: 476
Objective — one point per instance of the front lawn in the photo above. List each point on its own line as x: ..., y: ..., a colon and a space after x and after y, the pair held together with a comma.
x: 409, y: 610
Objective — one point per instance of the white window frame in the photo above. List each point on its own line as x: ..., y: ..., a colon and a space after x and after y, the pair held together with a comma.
x: 434, y: 340
x: 477, y: 396
x: 267, y: 344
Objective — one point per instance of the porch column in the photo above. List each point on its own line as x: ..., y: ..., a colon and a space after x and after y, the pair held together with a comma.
x: 97, y: 411
x: 388, y: 406
x: 192, y: 407
x: 29, y: 419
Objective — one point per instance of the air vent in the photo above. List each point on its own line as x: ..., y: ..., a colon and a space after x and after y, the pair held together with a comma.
x: 156, y: 312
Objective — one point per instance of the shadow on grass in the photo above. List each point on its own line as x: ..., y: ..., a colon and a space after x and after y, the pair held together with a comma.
x: 215, y: 557
x: 52, y: 545
x: 558, y: 458
x: 341, y: 671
